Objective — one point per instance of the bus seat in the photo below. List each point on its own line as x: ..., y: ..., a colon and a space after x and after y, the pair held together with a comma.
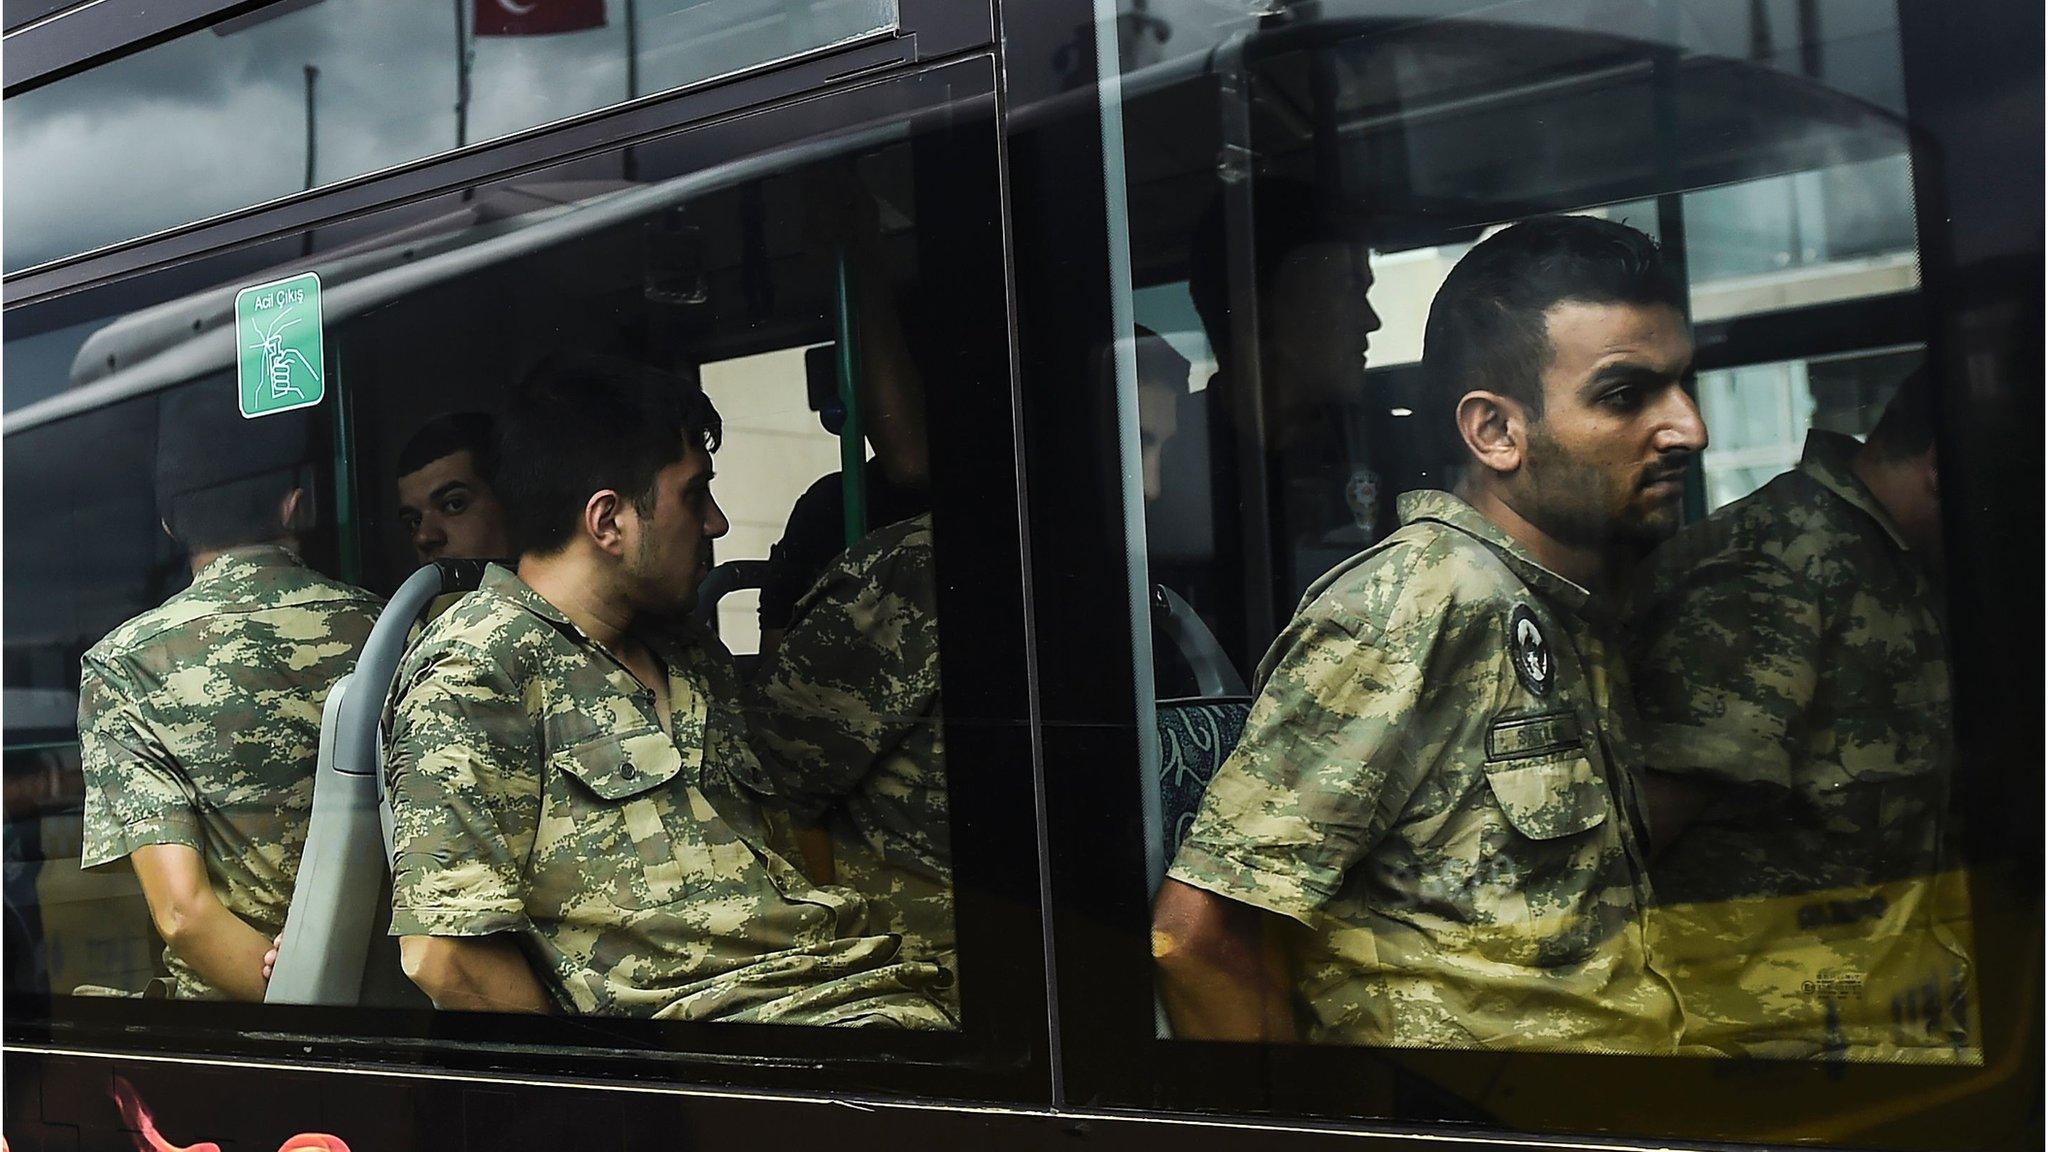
x: 335, y: 935
x: 722, y: 581
x: 1196, y: 733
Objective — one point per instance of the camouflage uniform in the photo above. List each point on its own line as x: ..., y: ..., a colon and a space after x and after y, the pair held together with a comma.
x: 199, y: 724
x: 1436, y: 782
x: 534, y: 792
x: 848, y: 725
x: 1790, y: 651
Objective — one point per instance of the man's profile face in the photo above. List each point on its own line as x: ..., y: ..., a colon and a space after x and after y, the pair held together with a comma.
x: 1320, y: 321
x: 1606, y: 461
x: 668, y: 545
x: 450, y: 512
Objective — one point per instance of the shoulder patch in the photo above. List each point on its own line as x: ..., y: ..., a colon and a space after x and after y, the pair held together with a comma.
x: 1535, y: 665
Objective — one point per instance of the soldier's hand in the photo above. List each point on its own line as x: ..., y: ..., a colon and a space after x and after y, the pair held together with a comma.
x: 270, y: 957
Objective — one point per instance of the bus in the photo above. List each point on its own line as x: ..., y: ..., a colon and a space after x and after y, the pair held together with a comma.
x: 1126, y: 300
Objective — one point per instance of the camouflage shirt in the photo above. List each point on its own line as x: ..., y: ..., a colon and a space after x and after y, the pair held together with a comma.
x: 848, y: 725
x: 1436, y: 783
x: 1790, y: 650
x: 199, y: 724
x: 534, y: 791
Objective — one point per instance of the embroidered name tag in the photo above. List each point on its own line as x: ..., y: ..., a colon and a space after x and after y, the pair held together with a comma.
x: 1532, y: 736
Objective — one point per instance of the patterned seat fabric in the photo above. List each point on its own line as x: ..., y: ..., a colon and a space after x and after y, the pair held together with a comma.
x: 1195, y: 736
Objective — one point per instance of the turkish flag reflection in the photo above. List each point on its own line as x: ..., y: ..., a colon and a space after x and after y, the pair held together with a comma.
x: 537, y: 17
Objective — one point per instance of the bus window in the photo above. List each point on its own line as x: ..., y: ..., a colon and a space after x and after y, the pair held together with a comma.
x: 1560, y: 482
x: 636, y: 396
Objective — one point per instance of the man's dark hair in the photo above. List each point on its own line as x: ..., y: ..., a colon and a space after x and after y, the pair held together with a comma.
x: 1486, y: 328
x: 1285, y: 216
x: 221, y: 479
x: 1907, y: 427
x: 579, y: 424
x: 473, y: 432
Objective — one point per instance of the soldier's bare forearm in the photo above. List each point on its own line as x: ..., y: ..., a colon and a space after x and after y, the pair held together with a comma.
x: 1221, y: 971
x: 219, y: 945
x: 473, y: 974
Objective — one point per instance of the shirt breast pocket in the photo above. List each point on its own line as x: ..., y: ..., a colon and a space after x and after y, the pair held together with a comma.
x: 627, y: 831
x: 1549, y: 797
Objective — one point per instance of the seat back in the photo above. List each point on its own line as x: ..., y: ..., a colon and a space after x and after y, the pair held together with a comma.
x: 343, y: 886
x: 1196, y: 733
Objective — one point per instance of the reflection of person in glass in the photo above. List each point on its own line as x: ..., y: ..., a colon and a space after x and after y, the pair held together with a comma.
x: 1434, y: 806
x: 1311, y: 274
x: 445, y: 498
x: 199, y: 721
x: 1791, y: 665
x: 566, y: 752
x: 1162, y: 382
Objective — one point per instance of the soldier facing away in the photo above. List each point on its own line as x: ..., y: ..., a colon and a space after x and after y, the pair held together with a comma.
x: 849, y: 728
x: 1791, y: 664
x: 1431, y: 834
x: 199, y: 720
x: 567, y: 752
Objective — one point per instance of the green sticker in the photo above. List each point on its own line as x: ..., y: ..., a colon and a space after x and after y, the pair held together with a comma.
x: 278, y: 328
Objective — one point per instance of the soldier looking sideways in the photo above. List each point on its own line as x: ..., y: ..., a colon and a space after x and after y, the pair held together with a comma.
x: 1430, y: 834
x: 445, y: 498
x: 199, y: 720
x: 566, y: 746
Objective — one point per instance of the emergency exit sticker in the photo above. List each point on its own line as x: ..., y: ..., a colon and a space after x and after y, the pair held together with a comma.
x: 280, y: 365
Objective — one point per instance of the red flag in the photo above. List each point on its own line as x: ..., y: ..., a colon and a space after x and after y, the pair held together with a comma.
x: 537, y: 17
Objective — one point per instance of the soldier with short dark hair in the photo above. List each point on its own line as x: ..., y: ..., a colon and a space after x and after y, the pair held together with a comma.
x: 1791, y: 663
x: 1430, y: 834
x: 199, y: 720
x: 447, y: 496
x: 568, y: 758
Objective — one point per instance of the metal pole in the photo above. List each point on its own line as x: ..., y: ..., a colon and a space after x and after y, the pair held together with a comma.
x: 853, y: 454
x: 632, y: 49
x: 312, y: 77
x: 312, y: 141
x: 628, y: 163
x: 461, y: 79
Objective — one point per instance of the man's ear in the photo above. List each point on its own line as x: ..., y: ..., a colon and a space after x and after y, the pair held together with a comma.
x: 1494, y: 430
x: 288, y: 510
x: 601, y: 521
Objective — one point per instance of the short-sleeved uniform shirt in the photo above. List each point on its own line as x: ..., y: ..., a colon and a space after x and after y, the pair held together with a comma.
x: 1790, y: 650
x: 1436, y: 782
x: 199, y: 724
x: 849, y: 727
x: 535, y: 792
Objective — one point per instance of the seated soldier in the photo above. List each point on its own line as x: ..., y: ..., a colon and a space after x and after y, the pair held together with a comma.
x: 848, y: 725
x: 1791, y: 664
x: 199, y: 721
x: 446, y: 498
x: 565, y: 753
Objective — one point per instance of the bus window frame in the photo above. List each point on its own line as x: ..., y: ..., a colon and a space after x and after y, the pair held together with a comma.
x: 1001, y: 1052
